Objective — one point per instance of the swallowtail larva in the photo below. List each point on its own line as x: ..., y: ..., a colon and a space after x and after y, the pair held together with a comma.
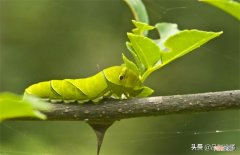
x: 117, y: 82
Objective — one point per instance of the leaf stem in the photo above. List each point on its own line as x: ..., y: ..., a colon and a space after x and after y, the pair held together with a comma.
x: 145, y: 75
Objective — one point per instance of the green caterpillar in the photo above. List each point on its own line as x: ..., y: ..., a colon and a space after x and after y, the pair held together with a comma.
x: 117, y: 82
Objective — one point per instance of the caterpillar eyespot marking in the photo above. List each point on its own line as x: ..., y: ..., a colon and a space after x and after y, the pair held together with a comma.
x: 121, y: 77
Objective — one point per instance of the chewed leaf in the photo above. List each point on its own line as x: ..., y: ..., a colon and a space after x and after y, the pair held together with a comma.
x: 146, y: 49
x: 131, y: 65
x: 12, y: 106
x: 230, y: 6
x: 173, y: 43
x: 141, y: 28
x: 184, y: 42
x: 165, y: 30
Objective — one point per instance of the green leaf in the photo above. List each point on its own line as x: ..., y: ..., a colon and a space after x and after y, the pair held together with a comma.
x: 180, y: 44
x: 141, y: 67
x: 184, y: 42
x: 229, y: 6
x: 138, y: 9
x: 165, y: 30
x: 141, y: 28
x: 129, y: 64
x: 154, y: 54
x: 12, y: 106
x: 146, y: 49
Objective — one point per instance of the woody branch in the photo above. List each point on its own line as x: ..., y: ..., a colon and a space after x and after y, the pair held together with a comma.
x: 111, y: 110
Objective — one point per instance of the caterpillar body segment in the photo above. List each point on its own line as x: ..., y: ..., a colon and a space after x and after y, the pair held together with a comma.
x: 116, y: 82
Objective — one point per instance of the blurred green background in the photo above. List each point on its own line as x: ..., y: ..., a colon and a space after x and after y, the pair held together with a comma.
x: 57, y: 39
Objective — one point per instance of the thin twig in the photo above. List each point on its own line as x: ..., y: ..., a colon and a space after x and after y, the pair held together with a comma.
x: 111, y: 110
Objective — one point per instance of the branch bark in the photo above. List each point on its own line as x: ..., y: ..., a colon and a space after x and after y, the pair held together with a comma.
x: 112, y: 110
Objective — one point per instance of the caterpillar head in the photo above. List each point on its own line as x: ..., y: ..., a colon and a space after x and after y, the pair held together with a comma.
x: 122, y: 76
